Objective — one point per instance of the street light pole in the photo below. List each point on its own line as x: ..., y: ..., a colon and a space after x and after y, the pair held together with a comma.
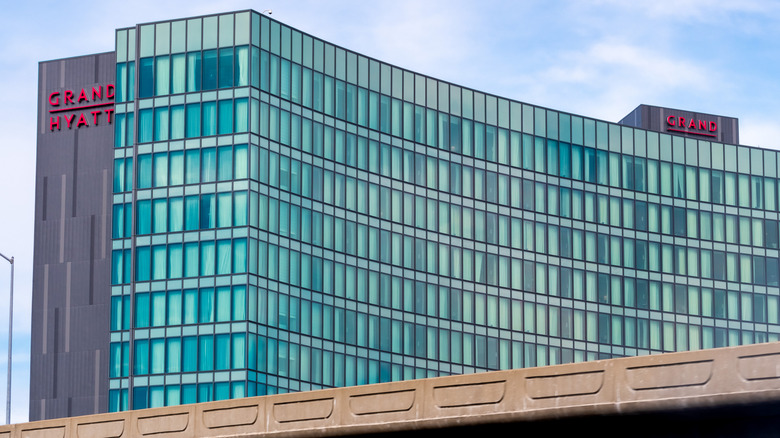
x: 10, y: 342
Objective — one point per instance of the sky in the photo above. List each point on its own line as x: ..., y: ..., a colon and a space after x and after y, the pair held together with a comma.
x: 597, y: 58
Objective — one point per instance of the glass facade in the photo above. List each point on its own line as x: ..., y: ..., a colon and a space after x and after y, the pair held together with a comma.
x: 289, y: 215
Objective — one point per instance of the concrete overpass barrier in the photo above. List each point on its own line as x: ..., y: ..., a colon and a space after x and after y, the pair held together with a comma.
x: 637, y: 385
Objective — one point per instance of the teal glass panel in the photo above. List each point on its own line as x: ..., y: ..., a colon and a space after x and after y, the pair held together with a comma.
x: 178, y: 76
x: 141, y: 362
x: 224, y: 209
x: 162, y: 76
x: 241, y: 115
x: 145, y: 125
x: 226, y: 67
x: 239, y: 256
x: 177, y: 125
x: 146, y: 77
x: 192, y: 166
x: 144, y: 217
x: 209, y: 69
x: 193, y: 120
x: 240, y: 163
x: 159, y: 215
x: 207, y: 258
x: 160, y: 169
x: 130, y: 81
x: 208, y: 165
x: 117, y: 264
x: 225, y: 163
x: 206, y: 353
x: 191, y: 213
x: 240, y: 210
x: 194, y: 73
x: 208, y: 211
x: 175, y: 260
x: 225, y: 117
x: 159, y: 262
x: 176, y: 160
x: 222, y: 351
x: 157, y: 357
x: 224, y: 257
x: 209, y: 125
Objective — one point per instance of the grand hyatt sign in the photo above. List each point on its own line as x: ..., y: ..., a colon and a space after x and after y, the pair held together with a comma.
x: 692, y: 126
x: 86, y: 107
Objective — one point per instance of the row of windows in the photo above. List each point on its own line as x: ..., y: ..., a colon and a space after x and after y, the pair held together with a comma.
x: 189, y: 259
x: 200, y: 119
x: 292, y: 361
x: 475, y: 224
x: 356, y: 369
x: 305, y: 52
x: 540, y: 155
x: 173, y: 395
x: 349, y: 282
x: 226, y: 162
x: 159, y: 309
x: 193, y: 166
x: 442, y: 129
x: 356, y: 239
x: 190, y: 72
x: 178, y: 260
x: 563, y: 159
x: 288, y: 359
x: 177, y: 213
x: 191, y: 34
x: 337, y: 279
x: 226, y: 304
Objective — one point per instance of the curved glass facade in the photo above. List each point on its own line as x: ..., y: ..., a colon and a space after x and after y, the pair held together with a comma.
x: 289, y: 215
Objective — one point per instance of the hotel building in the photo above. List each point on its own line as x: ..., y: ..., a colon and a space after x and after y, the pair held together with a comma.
x: 229, y: 207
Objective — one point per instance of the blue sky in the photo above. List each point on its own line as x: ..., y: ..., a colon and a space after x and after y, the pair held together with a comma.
x: 598, y: 58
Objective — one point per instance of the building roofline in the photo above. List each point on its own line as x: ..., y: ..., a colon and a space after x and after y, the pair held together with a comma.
x: 76, y: 57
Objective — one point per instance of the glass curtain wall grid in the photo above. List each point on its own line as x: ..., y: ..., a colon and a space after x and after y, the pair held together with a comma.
x: 290, y: 215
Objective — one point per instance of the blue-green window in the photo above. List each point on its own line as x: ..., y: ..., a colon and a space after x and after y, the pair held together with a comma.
x: 145, y: 77
x: 209, y: 118
x: 209, y: 69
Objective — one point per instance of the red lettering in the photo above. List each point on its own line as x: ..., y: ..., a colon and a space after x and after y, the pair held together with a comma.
x: 68, y: 96
x: 692, y: 124
x: 54, y: 98
x: 713, y: 126
x: 82, y: 121
x: 83, y: 96
x: 702, y: 125
x: 53, y: 123
x: 109, y: 91
x: 97, y: 93
x: 109, y: 112
x: 681, y: 121
x: 69, y: 120
x: 95, y: 116
x: 670, y: 121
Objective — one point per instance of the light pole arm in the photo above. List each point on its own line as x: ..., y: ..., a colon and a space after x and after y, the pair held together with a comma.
x: 10, y: 342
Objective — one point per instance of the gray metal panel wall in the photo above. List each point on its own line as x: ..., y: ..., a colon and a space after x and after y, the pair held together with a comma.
x: 72, y: 259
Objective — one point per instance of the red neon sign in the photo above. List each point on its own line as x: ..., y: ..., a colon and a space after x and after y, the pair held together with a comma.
x: 87, y: 107
x: 692, y: 126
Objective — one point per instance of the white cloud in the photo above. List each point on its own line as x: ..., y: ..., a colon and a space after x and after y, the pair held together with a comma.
x: 707, y: 11
x: 612, y: 61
